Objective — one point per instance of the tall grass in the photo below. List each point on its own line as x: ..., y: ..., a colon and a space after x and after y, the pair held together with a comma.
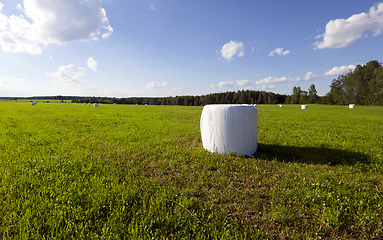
x: 140, y: 172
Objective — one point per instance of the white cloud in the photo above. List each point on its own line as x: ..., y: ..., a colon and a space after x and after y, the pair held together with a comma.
x: 342, y: 32
x: 153, y: 8
x: 223, y: 84
x: 231, y: 48
x: 68, y: 74
x: 278, y: 51
x: 263, y: 87
x: 92, y: 64
x: 310, y: 76
x: 3, y: 22
x: 286, y: 52
x: 1, y: 6
x: 243, y: 82
x: 272, y: 80
x: 179, y: 89
x: 46, y: 22
x: 156, y: 85
x: 340, y: 70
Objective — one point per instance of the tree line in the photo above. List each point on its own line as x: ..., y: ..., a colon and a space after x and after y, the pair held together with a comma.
x: 362, y: 86
x: 239, y: 97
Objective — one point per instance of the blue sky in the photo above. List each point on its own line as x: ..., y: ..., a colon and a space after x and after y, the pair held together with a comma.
x: 126, y: 48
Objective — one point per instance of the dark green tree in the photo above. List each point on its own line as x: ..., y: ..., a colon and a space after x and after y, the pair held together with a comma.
x: 312, y: 94
x: 303, y: 99
x: 296, y: 95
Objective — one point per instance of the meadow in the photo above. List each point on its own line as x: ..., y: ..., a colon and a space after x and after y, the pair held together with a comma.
x: 73, y: 171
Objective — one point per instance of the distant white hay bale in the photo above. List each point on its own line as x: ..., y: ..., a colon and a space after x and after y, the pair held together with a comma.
x: 229, y: 128
x: 281, y: 105
x: 304, y: 107
x: 67, y: 103
x: 84, y: 103
x: 32, y: 103
x: 351, y: 106
x: 75, y: 103
x: 114, y: 103
x: 95, y: 105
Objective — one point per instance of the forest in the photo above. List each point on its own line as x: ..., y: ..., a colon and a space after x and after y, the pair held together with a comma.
x: 363, y: 86
x: 239, y: 97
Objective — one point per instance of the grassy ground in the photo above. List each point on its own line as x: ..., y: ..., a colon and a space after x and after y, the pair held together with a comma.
x: 120, y: 172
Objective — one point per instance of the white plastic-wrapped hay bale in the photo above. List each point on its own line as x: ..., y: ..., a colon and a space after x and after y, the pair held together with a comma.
x: 95, y: 105
x: 32, y: 103
x: 114, y: 103
x: 84, y: 103
x: 229, y: 129
x: 351, y: 106
x: 68, y: 103
x: 280, y: 105
x: 304, y: 107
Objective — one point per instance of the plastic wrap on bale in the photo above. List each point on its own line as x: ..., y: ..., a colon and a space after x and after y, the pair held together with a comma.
x: 229, y: 129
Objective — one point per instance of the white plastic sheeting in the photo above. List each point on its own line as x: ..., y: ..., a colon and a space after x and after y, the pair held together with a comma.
x: 304, y: 107
x: 351, y: 106
x: 229, y: 129
x: 95, y: 105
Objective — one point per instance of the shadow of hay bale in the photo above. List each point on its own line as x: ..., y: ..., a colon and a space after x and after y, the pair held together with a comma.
x: 310, y: 155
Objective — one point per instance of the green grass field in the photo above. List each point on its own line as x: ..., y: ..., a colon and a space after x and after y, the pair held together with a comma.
x: 140, y: 172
